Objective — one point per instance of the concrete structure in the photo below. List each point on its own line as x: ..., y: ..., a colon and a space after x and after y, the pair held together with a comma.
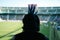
x: 17, y: 13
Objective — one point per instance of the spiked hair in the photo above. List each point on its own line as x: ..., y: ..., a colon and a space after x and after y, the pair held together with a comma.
x: 31, y: 20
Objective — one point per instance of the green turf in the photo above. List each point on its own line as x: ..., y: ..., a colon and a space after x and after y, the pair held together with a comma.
x: 8, y: 29
x: 45, y: 29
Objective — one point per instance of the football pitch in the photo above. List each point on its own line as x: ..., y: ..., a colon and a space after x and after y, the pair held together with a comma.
x: 9, y: 29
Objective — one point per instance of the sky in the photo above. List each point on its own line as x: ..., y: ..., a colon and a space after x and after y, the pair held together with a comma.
x: 24, y: 3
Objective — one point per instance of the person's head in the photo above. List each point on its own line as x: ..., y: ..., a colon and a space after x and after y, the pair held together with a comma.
x: 31, y: 22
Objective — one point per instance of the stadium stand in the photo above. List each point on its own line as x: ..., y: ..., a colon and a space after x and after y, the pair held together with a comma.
x: 13, y: 13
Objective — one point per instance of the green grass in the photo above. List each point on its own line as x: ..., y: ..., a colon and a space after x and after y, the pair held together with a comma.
x: 45, y: 29
x: 8, y: 29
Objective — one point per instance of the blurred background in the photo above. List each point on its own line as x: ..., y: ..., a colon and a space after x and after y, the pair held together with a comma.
x: 12, y: 13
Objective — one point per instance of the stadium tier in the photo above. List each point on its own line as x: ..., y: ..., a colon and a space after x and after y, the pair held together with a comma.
x: 17, y: 13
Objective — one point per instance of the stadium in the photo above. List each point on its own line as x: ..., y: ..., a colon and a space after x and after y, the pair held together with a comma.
x: 11, y: 21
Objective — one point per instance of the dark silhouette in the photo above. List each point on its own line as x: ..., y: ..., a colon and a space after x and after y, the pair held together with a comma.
x: 31, y: 26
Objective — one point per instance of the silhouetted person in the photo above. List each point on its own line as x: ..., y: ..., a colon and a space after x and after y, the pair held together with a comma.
x: 31, y: 26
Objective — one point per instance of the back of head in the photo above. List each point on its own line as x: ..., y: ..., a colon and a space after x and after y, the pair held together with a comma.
x: 31, y: 22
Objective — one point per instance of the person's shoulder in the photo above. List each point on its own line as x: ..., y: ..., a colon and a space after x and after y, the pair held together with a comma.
x: 19, y: 34
x: 16, y: 36
x: 43, y: 36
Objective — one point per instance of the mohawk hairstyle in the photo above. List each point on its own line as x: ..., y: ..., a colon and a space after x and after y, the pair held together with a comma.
x: 31, y: 20
x: 31, y: 9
